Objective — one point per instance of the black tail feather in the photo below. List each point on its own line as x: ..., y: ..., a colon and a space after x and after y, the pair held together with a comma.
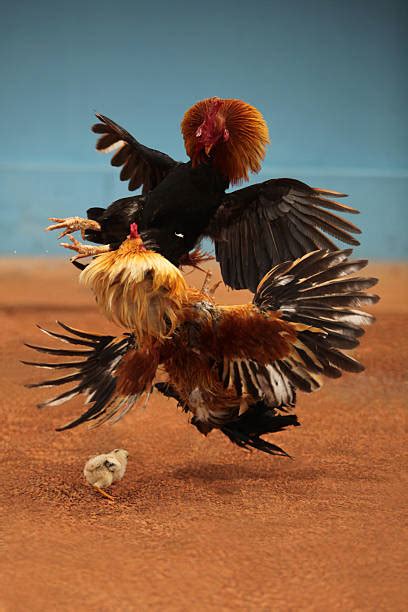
x: 244, y: 431
x: 257, y: 421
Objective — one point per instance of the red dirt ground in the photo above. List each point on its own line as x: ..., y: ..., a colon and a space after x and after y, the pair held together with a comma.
x: 199, y: 524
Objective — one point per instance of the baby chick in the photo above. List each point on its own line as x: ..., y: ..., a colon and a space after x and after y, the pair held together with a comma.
x: 102, y: 470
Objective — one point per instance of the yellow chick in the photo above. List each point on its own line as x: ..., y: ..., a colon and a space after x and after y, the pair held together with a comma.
x: 103, y: 470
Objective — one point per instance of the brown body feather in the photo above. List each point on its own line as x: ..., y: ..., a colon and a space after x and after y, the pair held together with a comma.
x: 137, y: 371
x: 211, y: 335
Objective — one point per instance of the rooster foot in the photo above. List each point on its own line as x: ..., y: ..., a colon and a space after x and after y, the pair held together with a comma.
x: 72, y: 224
x: 84, y: 250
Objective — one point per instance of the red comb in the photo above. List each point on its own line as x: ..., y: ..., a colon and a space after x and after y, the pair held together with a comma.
x: 134, y: 233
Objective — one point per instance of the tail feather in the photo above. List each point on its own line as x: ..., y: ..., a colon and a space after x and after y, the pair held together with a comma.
x: 246, y: 431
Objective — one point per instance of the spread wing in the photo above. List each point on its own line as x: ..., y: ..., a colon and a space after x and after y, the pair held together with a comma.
x: 265, y: 224
x: 110, y: 371
x: 141, y: 166
x: 316, y: 297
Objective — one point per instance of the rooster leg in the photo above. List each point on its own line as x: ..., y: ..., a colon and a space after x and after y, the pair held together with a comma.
x: 205, y: 287
x: 206, y: 284
x: 214, y: 288
x: 73, y: 224
x: 84, y: 250
x: 104, y: 493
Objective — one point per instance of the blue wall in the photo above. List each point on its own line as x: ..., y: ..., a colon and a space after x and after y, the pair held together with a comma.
x: 330, y: 78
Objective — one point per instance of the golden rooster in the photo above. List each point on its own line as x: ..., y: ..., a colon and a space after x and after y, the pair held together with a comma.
x: 253, y: 228
x: 235, y: 368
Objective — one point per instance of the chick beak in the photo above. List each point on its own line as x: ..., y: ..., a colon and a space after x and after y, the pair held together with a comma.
x: 208, y: 149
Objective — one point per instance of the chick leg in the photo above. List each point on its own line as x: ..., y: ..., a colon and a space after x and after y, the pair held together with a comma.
x: 72, y: 224
x: 84, y: 250
x: 104, y: 493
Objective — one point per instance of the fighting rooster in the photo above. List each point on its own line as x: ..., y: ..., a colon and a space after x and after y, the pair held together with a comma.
x: 235, y: 368
x: 253, y: 228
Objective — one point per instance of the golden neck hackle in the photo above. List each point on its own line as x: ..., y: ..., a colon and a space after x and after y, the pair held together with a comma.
x: 138, y: 289
x: 245, y: 148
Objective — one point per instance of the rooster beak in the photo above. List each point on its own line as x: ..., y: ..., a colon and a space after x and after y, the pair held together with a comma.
x: 207, y: 149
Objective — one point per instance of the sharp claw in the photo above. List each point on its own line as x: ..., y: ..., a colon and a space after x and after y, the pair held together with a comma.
x: 72, y: 224
x: 77, y: 256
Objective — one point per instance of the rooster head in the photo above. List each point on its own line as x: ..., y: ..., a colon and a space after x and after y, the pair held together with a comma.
x: 212, y: 130
x: 228, y: 133
x: 134, y: 239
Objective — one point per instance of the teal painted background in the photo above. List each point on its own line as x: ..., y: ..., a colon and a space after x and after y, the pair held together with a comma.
x: 330, y: 78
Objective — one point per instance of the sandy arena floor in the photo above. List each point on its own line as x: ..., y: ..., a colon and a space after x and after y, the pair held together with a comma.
x: 199, y: 524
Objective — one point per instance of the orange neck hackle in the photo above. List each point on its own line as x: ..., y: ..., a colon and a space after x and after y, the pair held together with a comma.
x: 230, y: 133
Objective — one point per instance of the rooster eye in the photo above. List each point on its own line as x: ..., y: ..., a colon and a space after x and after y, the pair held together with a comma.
x: 226, y: 135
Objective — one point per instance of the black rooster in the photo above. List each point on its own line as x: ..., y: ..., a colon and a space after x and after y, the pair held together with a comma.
x: 253, y: 228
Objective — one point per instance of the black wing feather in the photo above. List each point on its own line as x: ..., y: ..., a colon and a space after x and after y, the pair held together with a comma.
x: 141, y: 166
x: 96, y: 373
x: 284, y: 218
